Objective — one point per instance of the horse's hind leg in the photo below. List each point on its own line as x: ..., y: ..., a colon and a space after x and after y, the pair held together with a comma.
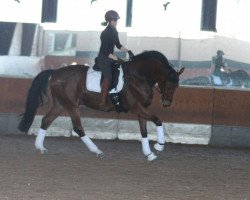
x: 77, y: 127
x: 54, y: 112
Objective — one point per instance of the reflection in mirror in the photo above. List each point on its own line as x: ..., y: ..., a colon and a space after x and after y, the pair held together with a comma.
x: 63, y: 44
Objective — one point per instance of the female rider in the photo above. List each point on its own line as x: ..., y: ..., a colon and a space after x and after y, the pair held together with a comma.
x: 106, y: 58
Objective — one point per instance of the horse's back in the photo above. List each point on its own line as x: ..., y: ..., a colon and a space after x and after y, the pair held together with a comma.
x: 73, y: 73
x: 72, y: 70
x: 69, y: 81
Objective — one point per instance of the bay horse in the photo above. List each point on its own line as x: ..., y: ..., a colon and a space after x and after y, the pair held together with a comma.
x: 67, y: 87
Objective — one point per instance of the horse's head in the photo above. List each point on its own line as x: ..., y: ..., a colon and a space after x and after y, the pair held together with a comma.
x: 168, y: 86
x: 155, y: 68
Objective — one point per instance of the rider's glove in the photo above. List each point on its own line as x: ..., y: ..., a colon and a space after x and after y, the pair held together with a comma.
x: 130, y: 54
x: 119, y: 61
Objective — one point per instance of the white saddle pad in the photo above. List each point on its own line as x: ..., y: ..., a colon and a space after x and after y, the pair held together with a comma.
x: 94, y: 78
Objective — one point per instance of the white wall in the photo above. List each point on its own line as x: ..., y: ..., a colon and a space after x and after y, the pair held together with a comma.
x: 167, y: 45
x: 234, y: 49
x: 149, y: 17
x: 82, y: 15
x: 233, y: 18
x: 26, y: 11
x: 90, y: 40
x: 20, y: 66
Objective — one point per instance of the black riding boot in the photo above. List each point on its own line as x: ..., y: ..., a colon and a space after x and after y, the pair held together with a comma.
x: 104, y: 94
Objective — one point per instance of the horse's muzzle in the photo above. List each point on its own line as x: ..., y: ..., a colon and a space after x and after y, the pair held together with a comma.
x: 166, y: 103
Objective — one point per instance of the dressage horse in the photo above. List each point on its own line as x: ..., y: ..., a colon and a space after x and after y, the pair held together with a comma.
x: 67, y: 86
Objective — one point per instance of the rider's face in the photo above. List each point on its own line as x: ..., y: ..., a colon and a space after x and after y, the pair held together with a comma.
x: 113, y: 23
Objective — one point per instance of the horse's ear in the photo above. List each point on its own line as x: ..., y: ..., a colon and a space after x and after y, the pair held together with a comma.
x: 181, y: 71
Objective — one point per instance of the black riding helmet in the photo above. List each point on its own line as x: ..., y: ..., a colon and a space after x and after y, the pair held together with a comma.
x: 220, y: 52
x: 111, y: 15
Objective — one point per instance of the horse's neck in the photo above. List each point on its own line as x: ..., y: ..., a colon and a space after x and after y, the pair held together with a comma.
x: 147, y: 74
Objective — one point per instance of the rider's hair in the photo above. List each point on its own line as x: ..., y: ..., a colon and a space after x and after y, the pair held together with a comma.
x: 104, y: 23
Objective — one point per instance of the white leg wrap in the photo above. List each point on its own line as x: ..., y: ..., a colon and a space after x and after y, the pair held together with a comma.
x: 159, y: 146
x: 145, y: 146
x: 160, y: 135
x: 40, y: 138
x: 88, y: 142
x: 151, y: 157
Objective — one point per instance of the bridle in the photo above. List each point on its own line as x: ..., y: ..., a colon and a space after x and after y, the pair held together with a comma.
x: 159, y: 91
x: 163, y: 92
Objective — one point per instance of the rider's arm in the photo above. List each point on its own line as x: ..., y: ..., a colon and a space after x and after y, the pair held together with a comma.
x: 223, y: 63
x: 124, y: 49
x: 119, y: 46
x: 113, y: 57
x: 117, y: 41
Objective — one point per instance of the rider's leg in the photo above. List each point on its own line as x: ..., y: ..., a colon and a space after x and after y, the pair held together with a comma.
x: 105, y: 85
x: 104, y: 93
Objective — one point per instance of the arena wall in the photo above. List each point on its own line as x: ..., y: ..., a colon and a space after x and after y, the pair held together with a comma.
x: 197, y: 116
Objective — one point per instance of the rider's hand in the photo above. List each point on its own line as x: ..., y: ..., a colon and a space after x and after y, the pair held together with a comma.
x: 130, y: 54
x: 119, y: 61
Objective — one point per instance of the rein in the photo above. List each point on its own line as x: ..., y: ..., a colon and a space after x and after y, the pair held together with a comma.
x: 157, y: 89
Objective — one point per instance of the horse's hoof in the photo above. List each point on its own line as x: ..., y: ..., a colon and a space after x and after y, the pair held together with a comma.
x: 99, y: 154
x: 159, y: 147
x: 42, y: 150
x: 151, y: 157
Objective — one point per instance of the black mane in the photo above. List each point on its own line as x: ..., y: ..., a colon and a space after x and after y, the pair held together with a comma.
x: 160, y: 57
x: 155, y: 55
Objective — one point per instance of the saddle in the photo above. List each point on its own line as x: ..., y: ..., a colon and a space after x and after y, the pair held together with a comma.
x: 93, y: 83
x: 115, y: 75
x: 94, y: 77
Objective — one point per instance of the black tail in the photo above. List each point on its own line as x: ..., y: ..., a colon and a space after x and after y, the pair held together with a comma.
x: 34, y: 99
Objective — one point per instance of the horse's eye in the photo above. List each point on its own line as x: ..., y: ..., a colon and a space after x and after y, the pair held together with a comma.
x: 172, y: 77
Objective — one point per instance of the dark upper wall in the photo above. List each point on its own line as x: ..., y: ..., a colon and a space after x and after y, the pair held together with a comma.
x: 26, y: 35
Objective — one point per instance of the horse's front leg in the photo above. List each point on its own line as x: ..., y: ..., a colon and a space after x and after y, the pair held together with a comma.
x: 146, y: 114
x: 145, y: 143
x: 159, y: 146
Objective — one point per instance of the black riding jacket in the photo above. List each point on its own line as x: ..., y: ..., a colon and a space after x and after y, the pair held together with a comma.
x: 109, y: 39
x: 219, y: 62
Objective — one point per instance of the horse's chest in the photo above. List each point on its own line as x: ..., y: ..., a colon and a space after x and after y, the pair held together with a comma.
x: 145, y: 95
x: 148, y: 99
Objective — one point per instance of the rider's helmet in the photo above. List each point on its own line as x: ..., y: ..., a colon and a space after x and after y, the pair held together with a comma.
x: 111, y: 15
x: 220, y: 53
